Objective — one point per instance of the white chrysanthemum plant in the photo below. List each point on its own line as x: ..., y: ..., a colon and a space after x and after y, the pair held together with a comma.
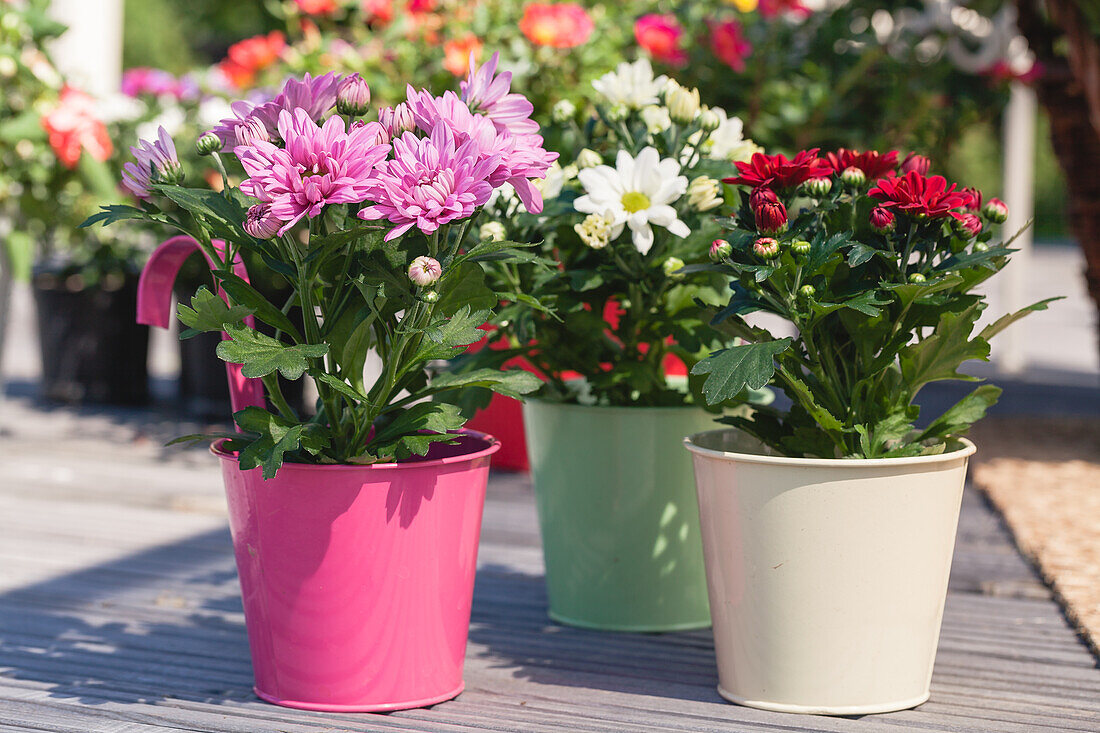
x: 634, y: 198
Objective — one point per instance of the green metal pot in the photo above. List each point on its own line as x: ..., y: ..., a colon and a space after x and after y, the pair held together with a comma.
x: 619, y: 518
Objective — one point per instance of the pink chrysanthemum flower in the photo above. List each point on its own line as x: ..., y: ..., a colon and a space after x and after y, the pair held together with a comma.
x: 156, y: 163
x: 429, y: 182
x: 314, y: 95
x: 321, y: 165
x: 493, y: 98
x: 521, y: 157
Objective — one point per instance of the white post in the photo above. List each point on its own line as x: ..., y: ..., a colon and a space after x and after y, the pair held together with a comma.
x: 90, y: 52
x: 1019, y: 192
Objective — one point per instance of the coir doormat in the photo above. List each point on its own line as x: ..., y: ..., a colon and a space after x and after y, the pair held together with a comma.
x: 1044, y: 476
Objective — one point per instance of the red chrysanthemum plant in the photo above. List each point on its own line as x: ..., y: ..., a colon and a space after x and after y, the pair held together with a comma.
x: 875, y: 263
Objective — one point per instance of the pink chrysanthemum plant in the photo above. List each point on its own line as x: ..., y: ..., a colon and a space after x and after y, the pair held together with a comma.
x: 369, y: 215
x: 874, y: 262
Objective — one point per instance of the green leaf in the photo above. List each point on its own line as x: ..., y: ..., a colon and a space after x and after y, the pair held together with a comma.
x: 244, y: 293
x: 860, y: 253
x: 261, y: 355
x: 511, y: 382
x: 866, y: 303
x: 964, y: 260
x: 354, y: 395
x: 208, y: 312
x: 938, y: 357
x: 113, y: 213
x: 964, y: 413
x: 202, y: 437
x: 801, y: 392
x: 221, y: 214
x: 445, y: 338
x: 414, y: 430
x: 733, y: 369
x: 464, y: 285
x: 1008, y: 319
x: 907, y: 293
x: 277, y: 437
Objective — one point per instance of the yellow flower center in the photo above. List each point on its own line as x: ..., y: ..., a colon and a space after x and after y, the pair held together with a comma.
x: 635, y: 201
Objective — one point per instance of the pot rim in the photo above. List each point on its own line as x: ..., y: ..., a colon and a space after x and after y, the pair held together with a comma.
x: 492, y: 447
x: 966, y: 450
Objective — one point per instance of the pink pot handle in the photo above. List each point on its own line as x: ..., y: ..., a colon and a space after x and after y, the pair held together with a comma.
x: 154, y: 306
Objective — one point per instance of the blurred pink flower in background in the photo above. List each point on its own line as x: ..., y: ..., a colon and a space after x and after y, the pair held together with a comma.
x: 558, y: 25
x: 660, y: 35
x: 317, y: 7
x: 772, y: 8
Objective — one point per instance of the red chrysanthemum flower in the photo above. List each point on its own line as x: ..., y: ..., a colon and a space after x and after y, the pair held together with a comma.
x: 873, y: 164
x: 776, y: 171
x: 917, y: 195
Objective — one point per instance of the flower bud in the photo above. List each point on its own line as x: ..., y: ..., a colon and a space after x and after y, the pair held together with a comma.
x: 682, y: 103
x: 766, y: 248
x: 425, y: 270
x: 656, y: 119
x: 817, y: 187
x: 882, y: 220
x: 800, y: 247
x: 170, y: 173
x: 762, y: 195
x: 807, y: 291
x: 995, y: 210
x: 352, y: 96
x: 853, y: 176
x: 709, y: 120
x: 916, y: 278
x: 704, y: 193
x: 975, y: 205
x: 968, y: 227
x: 588, y: 158
x: 670, y: 267
x: 260, y: 223
x: 430, y: 296
x: 771, y: 217
x: 595, y: 230
x: 914, y: 162
x: 720, y: 249
x: 492, y: 231
x: 208, y: 143
x: 396, y: 120
x: 981, y: 247
x: 617, y: 112
x: 563, y: 111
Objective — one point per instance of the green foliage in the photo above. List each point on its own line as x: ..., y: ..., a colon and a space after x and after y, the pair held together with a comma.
x: 260, y: 355
x: 208, y: 312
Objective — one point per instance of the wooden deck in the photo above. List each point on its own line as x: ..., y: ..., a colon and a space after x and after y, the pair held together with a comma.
x: 119, y: 612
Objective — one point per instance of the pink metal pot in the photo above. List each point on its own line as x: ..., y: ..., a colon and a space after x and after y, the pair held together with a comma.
x: 357, y: 580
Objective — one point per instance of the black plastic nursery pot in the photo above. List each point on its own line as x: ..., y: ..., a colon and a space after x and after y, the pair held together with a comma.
x: 92, y: 350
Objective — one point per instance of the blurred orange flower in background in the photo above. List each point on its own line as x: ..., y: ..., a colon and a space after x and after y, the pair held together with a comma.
x: 317, y: 7
x: 73, y: 126
x: 380, y: 11
x: 456, y: 54
x: 561, y: 25
x: 251, y: 55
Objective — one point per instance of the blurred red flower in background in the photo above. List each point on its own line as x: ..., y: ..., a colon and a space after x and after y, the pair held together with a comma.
x: 73, y: 126
x: 380, y: 11
x: 660, y: 36
x: 729, y: 44
x: 245, y: 58
x: 559, y: 25
x: 317, y: 7
x: 772, y: 8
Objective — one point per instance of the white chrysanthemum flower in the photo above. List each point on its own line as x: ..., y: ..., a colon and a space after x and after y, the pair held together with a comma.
x: 637, y: 193
x: 492, y: 231
x: 632, y: 85
x: 656, y: 119
x: 727, y: 138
